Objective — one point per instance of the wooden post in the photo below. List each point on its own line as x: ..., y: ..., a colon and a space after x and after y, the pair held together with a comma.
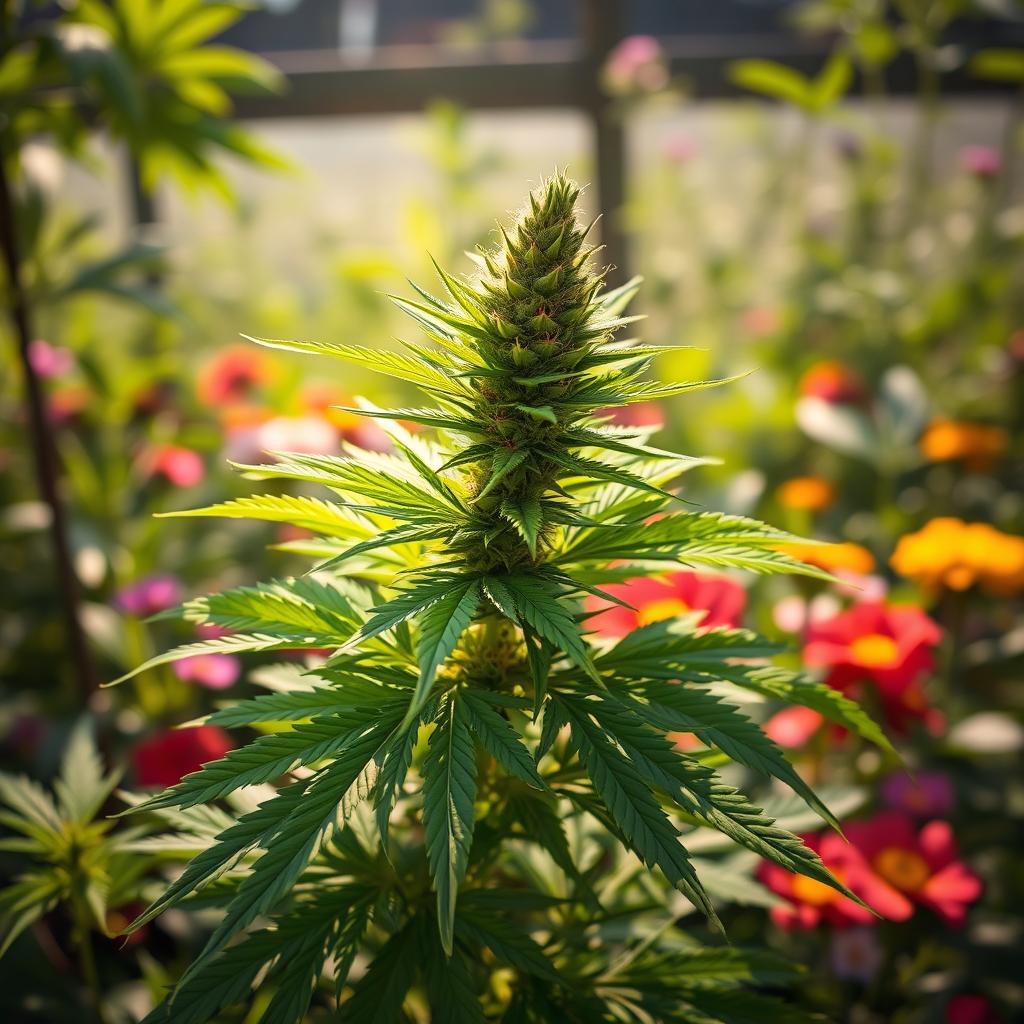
x: 602, y: 29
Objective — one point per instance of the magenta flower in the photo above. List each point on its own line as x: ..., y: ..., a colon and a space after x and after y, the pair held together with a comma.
x: 149, y: 595
x: 981, y: 161
x: 48, y: 360
x: 926, y: 795
x: 214, y: 671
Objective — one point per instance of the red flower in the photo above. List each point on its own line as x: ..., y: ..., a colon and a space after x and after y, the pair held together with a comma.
x: 180, y: 466
x: 832, y: 382
x: 232, y: 374
x: 812, y: 902
x: 921, y: 866
x: 793, y: 727
x: 719, y: 598
x: 641, y: 414
x: 166, y: 758
x: 891, y: 647
x: 971, y: 1009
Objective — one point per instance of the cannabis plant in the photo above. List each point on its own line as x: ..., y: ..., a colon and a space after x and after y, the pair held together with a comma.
x: 468, y: 775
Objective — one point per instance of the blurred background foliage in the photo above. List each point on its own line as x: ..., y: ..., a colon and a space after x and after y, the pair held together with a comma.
x: 854, y: 249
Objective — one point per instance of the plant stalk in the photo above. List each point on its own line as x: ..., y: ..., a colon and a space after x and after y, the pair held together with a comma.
x: 43, y: 447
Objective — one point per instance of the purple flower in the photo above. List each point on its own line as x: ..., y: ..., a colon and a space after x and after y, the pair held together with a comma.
x: 981, y: 161
x: 149, y: 595
x: 214, y: 671
x: 856, y: 954
x: 48, y: 360
x: 925, y: 795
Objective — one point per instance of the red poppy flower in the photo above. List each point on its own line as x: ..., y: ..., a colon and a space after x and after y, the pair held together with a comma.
x: 168, y: 757
x: 811, y: 902
x: 890, y: 647
x: 232, y: 374
x: 920, y: 865
x: 720, y: 599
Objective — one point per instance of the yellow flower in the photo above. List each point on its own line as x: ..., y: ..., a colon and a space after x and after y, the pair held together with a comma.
x: 843, y: 557
x: 950, y: 554
x: 810, y: 493
x: 973, y: 444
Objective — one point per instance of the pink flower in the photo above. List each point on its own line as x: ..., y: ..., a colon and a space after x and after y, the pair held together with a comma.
x: 856, y: 954
x: 149, y: 595
x: 811, y: 903
x: 925, y: 795
x: 921, y: 866
x: 636, y: 65
x: 679, y: 149
x: 718, y: 598
x: 179, y: 466
x: 793, y: 727
x: 214, y: 671
x: 308, y: 434
x: 641, y: 414
x: 49, y: 361
x: 981, y: 161
x: 166, y: 758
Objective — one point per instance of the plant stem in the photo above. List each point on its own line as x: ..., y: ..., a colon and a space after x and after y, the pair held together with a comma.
x: 43, y: 447
x: 87, y: 961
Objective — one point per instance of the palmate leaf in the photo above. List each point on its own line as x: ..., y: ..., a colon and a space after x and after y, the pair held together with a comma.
x: 314, y: 514
x: 708, y: 538
x: 327, y: 801
x: 378, y: 995
x: 496, y: 736
x: 440, y: 628
x: 697, y: 790
x: 394, y: 364
x: 449, y: 789
x: 297, y: 946
x: 681, y: 708
x: 539, y: 604
x: 631, y: 803
x: 271, y: 756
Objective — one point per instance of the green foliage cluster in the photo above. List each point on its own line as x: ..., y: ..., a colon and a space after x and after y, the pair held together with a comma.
x: 464, y: 722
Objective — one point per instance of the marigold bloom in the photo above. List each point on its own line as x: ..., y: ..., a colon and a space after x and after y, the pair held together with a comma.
x: 808, y: 493
x: 232, y: 374
x: 974, y: 444
x: 720, y: 599
x: 166, y: 758
x: 950, y: 554
x: 889, y: 647
x: 834, y: 558
x: 920, y: 865
x: 832, y: 382
x: 811, y: 903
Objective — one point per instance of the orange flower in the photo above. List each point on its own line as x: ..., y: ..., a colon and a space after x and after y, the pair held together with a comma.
x: 949, y: 554
x: 832, y: 382
x: 844, y: 557
x: 974, y: 444
x: 809, y: 493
